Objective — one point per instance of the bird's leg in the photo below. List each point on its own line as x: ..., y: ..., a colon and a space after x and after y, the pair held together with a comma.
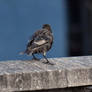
x: 47, y: 60
x: 34, y: 58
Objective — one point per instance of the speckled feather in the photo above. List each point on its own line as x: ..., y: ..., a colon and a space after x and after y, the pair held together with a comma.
x: 41, y: 41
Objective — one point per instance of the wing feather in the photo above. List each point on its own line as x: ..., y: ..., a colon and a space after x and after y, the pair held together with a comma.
x: 40, y: 42
x: 38, y: 39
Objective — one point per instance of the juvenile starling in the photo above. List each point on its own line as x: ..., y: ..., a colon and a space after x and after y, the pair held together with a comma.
x: 40, y: 42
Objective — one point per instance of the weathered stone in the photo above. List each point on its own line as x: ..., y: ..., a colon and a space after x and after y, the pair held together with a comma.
x: 35, y: 75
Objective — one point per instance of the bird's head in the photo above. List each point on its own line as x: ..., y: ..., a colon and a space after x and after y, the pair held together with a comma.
x: 46, y: 26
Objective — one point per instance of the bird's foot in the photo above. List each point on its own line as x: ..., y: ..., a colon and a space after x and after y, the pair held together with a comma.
x: 35, y: 59
x: 48, y: 63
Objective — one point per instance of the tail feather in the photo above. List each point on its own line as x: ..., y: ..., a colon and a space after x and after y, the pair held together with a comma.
x: 22, y: 53
x: 25, y: 52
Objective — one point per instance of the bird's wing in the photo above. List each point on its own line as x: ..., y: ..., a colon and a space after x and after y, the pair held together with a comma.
x: 40, y: 42
x: 39, y: 38
x: 42, y: 38
x: 32, y: 38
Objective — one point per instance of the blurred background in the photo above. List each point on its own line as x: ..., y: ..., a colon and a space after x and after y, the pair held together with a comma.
x: 71, y: 22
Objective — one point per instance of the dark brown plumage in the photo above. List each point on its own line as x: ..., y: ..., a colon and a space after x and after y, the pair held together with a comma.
x: 40, y: 42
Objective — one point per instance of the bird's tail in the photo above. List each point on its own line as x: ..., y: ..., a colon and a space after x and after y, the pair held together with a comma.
x: 22, y: 53
x: 25, y: 52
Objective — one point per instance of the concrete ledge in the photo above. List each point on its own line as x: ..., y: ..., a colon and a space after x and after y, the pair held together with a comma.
x: 34, y: 75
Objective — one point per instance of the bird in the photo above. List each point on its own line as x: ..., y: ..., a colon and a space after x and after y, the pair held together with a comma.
x: 40, y: 43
